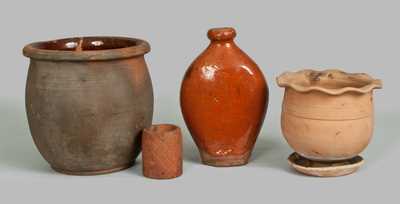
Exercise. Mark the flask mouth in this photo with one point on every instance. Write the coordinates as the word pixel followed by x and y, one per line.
pixel 221 34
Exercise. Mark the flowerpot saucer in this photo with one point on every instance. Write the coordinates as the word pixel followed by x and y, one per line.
pixel 325 169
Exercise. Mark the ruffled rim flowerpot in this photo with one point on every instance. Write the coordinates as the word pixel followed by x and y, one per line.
pixel 327 118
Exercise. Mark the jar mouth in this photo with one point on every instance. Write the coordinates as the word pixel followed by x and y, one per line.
pixel 332 81
pixel 88 48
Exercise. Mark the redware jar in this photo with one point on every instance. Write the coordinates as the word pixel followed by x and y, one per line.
pixel 224 99
pixel 87 101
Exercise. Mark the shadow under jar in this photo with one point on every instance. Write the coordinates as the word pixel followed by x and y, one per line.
pixel 87 101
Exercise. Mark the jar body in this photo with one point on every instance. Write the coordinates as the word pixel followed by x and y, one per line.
pixel 86 116
pixel 224 99
pixel 325 127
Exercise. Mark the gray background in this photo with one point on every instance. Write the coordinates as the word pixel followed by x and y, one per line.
pixel 358 36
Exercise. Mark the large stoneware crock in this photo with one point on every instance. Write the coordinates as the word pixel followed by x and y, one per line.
pixel 87 101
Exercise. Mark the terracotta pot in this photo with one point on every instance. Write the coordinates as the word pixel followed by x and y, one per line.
pixel 87 101
pixel 162 151
pixel 224 98
pixel 327 115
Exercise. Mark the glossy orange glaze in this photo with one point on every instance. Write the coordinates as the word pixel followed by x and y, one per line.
pixel 224 99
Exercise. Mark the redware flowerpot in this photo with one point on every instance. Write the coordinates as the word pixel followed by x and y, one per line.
pixel 224 99
pixel 327 115
pixel 87 101
pixel 328 119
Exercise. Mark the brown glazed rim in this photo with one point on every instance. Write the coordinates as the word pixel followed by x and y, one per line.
pixel 136 47
pixel 311 80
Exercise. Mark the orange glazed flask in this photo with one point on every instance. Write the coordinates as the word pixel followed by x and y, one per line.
pixel 224 98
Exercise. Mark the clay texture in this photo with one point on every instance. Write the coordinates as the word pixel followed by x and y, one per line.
pixel 87 101
pixel 224 99
pixel 162 151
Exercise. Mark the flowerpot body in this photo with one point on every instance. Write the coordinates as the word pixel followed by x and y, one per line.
pixel 224 99
pixel 327 116
pixel 87 101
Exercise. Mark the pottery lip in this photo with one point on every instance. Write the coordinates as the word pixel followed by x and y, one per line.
pixel 132 47
pixel 330 81
pixel 221 34
pixel 162 129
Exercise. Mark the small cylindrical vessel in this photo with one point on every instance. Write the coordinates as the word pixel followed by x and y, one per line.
pixel 162 151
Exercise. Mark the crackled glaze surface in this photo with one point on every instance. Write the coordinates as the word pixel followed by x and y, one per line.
pixel 87 106
pixel 224 98
pixel 327 115
pixel 162 151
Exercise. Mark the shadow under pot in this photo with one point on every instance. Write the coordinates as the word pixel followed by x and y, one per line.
pixel 327 118
pixel 87 101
